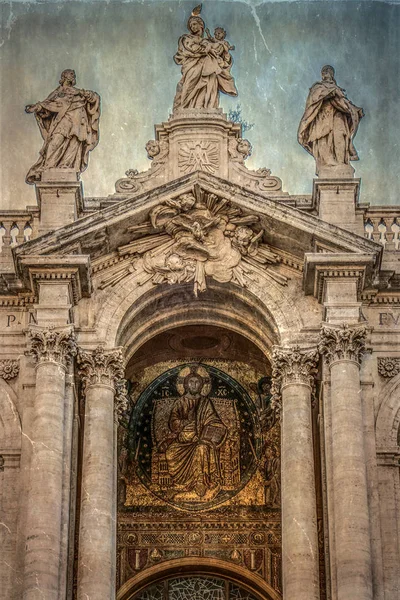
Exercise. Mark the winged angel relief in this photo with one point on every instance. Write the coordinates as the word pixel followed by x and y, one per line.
pixel 195 236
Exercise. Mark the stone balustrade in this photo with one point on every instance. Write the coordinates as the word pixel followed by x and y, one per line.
pixel 382 224
pixel 16 227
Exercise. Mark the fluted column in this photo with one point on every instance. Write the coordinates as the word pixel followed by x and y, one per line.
pixel 293 374
pixel 52 349
pixel 343 348
pixel 101 375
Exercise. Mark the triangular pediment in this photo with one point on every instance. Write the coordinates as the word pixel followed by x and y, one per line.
pixel 183 213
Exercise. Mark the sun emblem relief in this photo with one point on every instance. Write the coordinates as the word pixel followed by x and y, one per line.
pixel 199 156
pixel 196 236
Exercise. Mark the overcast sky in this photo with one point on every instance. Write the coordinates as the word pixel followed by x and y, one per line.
pixel 124 51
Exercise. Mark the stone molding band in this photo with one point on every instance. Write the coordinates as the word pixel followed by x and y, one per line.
pixel 102 367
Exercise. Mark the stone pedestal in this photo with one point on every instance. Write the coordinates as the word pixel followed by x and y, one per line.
pixel 336 201
pixel 293 374
pixel 100 372
pixel 60 199
pixel 198 140
pixel 343 348
pixel 52 350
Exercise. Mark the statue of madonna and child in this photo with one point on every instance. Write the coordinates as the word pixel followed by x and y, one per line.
pixel 205 66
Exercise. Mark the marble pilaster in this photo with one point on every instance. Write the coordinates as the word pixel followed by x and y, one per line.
pixel 101 375
pixel 343 348
pixel 52 349
pixel 293 373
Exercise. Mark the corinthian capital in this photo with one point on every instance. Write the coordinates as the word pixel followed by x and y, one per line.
pixel 49 344
pixel 293 365
pixel 107 368
pixel 342 343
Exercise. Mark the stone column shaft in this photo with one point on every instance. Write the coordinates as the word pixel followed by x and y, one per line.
pixel 343 348
pixel 293 372
pixel 97 554
pixel 44 503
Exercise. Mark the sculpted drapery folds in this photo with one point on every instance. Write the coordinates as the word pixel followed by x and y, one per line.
pixel 54 345
pixel 68 121
pixel 343 343
pixel 329 123
pixel 205 66
pixel 103 367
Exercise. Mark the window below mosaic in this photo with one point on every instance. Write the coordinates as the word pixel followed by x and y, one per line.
pixel 194 588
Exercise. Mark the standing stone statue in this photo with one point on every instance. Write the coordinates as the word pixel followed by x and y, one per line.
pixel 329 124
pixel 68 120
pixel 205 65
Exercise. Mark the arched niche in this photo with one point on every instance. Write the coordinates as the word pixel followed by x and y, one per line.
pixel 265 313
pixel 388 418
pixel 196 566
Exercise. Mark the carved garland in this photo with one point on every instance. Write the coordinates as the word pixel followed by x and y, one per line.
pixel 49 344
pixel 9 369
pixel 107 368
pixel 293 365
pixel 342 343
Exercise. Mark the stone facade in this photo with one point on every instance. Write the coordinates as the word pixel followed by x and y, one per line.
pixel 199 375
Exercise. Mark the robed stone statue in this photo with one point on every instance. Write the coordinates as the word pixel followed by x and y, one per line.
pixel 205 65
pixel 329 124
pixel 68 120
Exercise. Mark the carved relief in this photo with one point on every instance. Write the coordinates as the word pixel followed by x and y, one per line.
pixel 198 156
pixel 239 149
pixel 135 181
pixel 9 369
pixel 195 236
pixel 343 343
pixel 293 365
pixel 107 368
pixel 55 345
pixel 388 366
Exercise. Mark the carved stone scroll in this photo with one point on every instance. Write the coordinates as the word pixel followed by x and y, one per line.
pixel 342 343
pixel 54 345
pixel 102 367
pixel 9 369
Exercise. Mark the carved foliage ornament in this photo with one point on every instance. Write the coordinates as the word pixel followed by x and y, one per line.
pixel 9 369
pixel 293 365
pixel 343 343
pixel 55 345
pixel 195 236
pixel 107 368
pixel 388 366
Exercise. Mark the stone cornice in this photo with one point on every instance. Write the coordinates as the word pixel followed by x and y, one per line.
pixel 102 367
pixel 49 344
pixel 291 366
pixel 320 267
pixel 343 343
pixel 74 269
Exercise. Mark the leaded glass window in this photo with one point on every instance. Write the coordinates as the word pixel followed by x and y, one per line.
pixel 195 588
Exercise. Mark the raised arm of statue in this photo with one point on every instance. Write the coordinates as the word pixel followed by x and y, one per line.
pixel 68 120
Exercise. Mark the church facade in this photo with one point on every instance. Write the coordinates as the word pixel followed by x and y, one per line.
pixel 199 374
